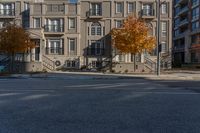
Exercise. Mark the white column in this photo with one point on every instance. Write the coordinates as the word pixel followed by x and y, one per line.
pixel 33 54
pixel 142 57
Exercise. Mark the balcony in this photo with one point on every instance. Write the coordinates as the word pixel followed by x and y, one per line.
pixel 95 51
pixel 7 13
pixel 183 22
pixel 183 10
pixel 54 51
pixel 147 13
pixel 178 49
pixel 94 13
pixel 53 28
pixel 180 2
pixel 181 35
pixel 195 4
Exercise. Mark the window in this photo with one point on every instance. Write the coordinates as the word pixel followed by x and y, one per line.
pixel 36 23
pixel 163 47
pixel 72 46
pixel 7 9
pixel 72 23
pixel 195 2
pixel 26 6
pixel 95 48
pixel 55 8
pixel 164 29
pixel 54 46
pixel 130 7
pixel 118 23
pixel 195 13
pixel 96 64
pixel 73 1
pixel 71 63
pixel 96 9
pixel 195 25
pixel 195 39
pixel 54 25
pixel 119 7
pixel 147 10
pixel 96 28
pixel 176 32
pixel 164 8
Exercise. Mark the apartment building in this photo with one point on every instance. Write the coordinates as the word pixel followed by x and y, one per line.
pixel 76 34
pixel 186 43
pixel 99 17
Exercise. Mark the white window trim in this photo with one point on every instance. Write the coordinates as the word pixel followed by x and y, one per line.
pixel 117 6
pixel 69 24
pixel 129 9
pixel 164 30
pixel 162 43
pixel 75 46
pixel 164 10
pixel 118 21
pixel 34 22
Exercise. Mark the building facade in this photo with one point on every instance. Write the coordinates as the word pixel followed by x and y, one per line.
pixel 73 35
pixel 186 41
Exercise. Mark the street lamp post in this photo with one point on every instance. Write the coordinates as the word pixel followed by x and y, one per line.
pixel 158 38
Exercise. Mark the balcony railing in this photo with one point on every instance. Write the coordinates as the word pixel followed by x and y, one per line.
pixel 7 12
pixel 53 50
pixel 94 13
pixel 178 48
pixel 183 22
pixel 195 3
pixel 53 28
pixel 183 10
pixel 95 51
pixel 148 12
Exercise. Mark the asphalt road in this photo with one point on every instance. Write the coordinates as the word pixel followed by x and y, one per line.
pixel 61 103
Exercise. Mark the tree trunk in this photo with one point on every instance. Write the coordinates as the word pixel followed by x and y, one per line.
pixel 111 63
pixel 134 62
pixel 12 59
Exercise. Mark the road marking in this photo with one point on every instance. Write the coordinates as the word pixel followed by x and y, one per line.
pixel 9 94
pixel 32 97
pixel 100 85
pixel 111 86
pixel 86 85
pixel 168 93
pixel 7 90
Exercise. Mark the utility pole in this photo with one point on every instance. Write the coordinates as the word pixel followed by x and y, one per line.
pixel 158 38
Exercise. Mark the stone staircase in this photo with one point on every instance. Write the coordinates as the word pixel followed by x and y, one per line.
pixel 165 62
pixel 150 63
pixel 48 64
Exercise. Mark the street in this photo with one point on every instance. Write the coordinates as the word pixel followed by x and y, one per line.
pixel 66 103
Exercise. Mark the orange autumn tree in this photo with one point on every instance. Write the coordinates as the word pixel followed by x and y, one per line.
pixel 133 37
pixel 14 39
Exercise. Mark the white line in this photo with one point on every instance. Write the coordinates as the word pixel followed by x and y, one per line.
pixel 26 90
pixel 84 85
pixel 93 85
pixel 112 86
pixel 168 93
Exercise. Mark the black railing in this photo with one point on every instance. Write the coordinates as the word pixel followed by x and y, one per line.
pixel 53 50
pixel 53 28
pixel 147 12
pixel 95 51
pixel 7 12
pixel 95 12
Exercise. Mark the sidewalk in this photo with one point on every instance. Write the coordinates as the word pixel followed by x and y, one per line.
pixel 171 75
pixel 166 76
